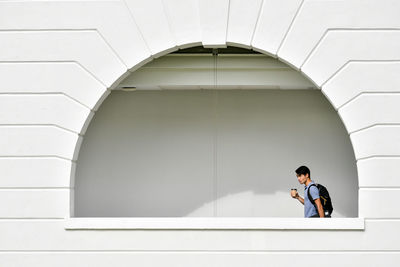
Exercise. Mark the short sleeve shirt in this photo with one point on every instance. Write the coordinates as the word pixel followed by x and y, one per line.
pixel 309 209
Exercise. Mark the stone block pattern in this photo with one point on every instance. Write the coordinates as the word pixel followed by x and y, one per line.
pixel 60 59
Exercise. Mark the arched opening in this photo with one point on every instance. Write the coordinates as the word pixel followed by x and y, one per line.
pixel 212 133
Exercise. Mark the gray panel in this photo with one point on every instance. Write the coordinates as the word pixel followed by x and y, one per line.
pixel 263 136
pixel 147 154
pixel 173 153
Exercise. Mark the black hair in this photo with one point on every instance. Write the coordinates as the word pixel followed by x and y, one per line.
pixel 303 170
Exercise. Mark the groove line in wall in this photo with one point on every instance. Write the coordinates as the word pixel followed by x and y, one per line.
pixel 333 30
pixel 116 54
pixel 72 30
pixel 215 251
pixel 29 93
pixel 257 22
pixel 49 30
pixel 43 189
pixel 378 156
pixel 33 219
pixel 368 93
pixel 378 187
pixel 349 62
pixel 37 156
pixel 313 49
pixel 382 157
pixel 39 125
pixel 137 27
pixel 373 126
pixel 57 62
pixel 227 20
pixel 300 7
pixel 381 188
pixel 31 157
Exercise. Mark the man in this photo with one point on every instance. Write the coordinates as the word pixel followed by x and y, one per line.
pixel 310 211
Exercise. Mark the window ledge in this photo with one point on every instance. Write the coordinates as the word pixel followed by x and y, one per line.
pixel 215 223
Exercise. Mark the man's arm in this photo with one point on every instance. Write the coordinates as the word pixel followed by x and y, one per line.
pixel 299 198
pixel 319 208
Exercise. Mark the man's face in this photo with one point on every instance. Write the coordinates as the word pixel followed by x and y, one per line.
pixel 302 178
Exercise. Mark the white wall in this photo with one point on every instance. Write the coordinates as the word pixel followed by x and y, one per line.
pixel 76 51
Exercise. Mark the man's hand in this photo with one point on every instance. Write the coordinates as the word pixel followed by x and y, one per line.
pixel 295 195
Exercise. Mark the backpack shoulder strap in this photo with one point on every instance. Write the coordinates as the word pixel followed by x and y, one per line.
pixel 309 194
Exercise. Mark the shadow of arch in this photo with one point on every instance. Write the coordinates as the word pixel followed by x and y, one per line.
pixel 279 191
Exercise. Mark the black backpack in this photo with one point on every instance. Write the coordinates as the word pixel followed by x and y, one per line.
pixel 326 200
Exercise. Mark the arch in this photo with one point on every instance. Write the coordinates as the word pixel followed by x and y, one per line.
pixel 150 58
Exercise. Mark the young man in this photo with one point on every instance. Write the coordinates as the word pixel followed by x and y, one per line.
pixel 310 211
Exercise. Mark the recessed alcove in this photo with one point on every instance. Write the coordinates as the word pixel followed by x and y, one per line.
pixel 212 133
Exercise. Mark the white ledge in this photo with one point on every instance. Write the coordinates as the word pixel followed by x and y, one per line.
pixel 215 223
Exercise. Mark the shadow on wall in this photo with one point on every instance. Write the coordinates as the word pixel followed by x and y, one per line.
pixel 212 153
